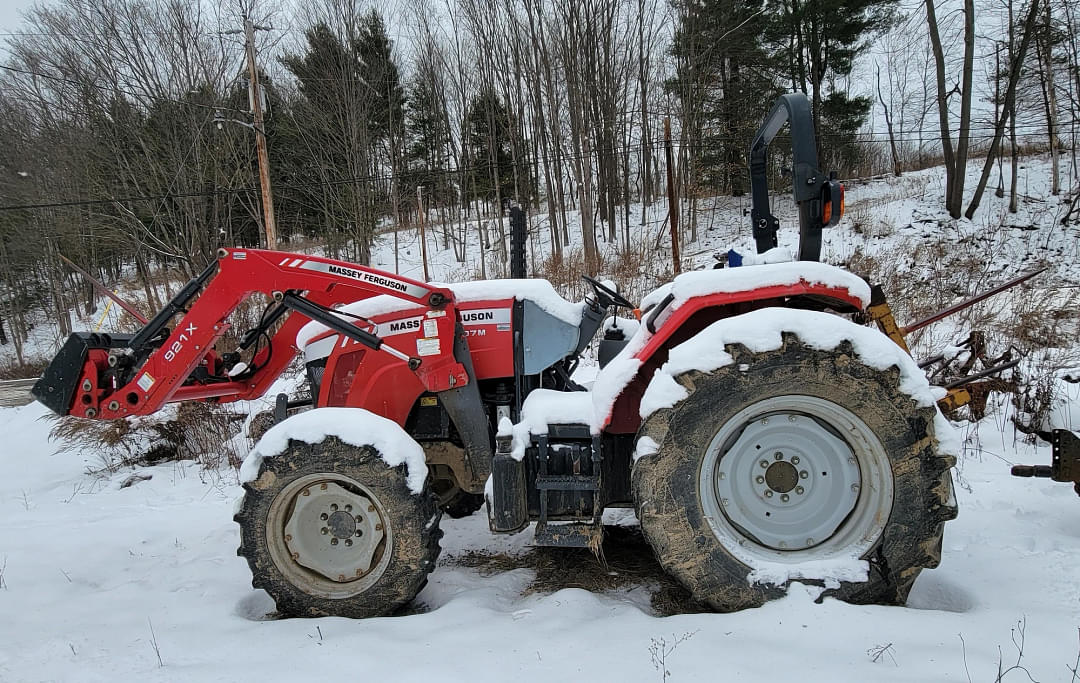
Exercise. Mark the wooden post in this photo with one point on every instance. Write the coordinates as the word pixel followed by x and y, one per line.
pixel 260 137
pixel 673 207
pixel 420 217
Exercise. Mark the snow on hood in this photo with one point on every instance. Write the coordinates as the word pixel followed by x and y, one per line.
pixel 713 281
pixel 354 426
pixel 761 331
pixel 538 291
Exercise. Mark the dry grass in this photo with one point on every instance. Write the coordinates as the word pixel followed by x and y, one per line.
pixel 33 367
pixel 626 562
pixel 198 432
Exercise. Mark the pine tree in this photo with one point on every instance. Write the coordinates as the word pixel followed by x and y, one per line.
pixel 488 127
pixel 820 40
pixel 724 84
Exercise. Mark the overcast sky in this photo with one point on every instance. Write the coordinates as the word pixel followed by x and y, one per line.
pixel 9 13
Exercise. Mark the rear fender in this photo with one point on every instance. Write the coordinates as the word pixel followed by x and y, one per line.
pixel 673 327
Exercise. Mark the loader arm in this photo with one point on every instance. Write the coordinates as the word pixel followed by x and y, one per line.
pixel 114 376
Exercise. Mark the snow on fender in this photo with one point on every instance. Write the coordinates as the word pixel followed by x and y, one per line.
pixel 762 330
pixel 354 426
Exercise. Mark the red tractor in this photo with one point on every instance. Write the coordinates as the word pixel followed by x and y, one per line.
pixel 761 432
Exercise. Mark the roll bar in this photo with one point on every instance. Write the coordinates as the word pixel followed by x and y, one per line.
pixel 812 187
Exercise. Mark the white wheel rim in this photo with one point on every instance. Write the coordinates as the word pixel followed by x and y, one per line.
pixel 328 535
pixel 795 478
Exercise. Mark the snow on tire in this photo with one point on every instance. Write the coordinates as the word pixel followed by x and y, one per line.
pixel 793 464
pixel 330 529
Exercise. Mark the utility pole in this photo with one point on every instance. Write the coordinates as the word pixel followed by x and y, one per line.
pixel 260 135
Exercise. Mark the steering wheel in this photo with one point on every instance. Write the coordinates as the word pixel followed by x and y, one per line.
pixel 608 293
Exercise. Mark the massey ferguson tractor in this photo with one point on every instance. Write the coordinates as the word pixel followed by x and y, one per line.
pixel 760 425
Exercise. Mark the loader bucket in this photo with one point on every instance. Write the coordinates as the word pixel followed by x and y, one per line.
pixel 58 384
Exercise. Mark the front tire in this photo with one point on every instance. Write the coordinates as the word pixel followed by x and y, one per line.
pixel 786 461
pixel 329 529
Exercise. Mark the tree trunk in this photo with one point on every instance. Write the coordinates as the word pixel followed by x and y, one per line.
pixel 889 127
pixel 964 134
pixel 942 100
pixel 1051 101
pixel 1010 96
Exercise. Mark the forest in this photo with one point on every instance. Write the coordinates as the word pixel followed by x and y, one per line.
pixel 128 145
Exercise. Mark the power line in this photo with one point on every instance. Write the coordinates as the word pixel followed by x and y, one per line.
pixel 110 89
pixel 352 180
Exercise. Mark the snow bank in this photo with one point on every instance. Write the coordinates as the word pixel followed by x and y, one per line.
pixel 761 331
pixel 547 406
pixel 354 426
pixel 538 291
pixel 713 281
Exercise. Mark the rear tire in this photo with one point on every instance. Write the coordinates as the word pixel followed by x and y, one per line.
pixel 330 529
pixel 853 458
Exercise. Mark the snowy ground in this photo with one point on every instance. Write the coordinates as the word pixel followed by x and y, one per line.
pixel 99 582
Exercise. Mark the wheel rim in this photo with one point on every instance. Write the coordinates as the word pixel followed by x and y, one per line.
pixel 328 535
pixel 793 478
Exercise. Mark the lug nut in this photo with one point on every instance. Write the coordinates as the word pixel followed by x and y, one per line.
pixel 855 488
pixel 799 490
pixel 348 508
pixel 785 497
pixel 759 479
pixel 794 460
pixel 359 532
pixel 359 519
pixel 378 527
pixel 791 418
pixel 348 541
pixel 809 541
pixel 803 474
pixel 333 541
pixel 720 475
pixel 324 516
pixel 764 420
pixel 764 464
pixel 768 493
pixel 778 455
pixel 114 405
pixel 724 502
pixel 324 531
pixel 86 385
pixel 333 507
pixel 306 492
pixel 371 508
pixel 322 486
pixel 851 461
